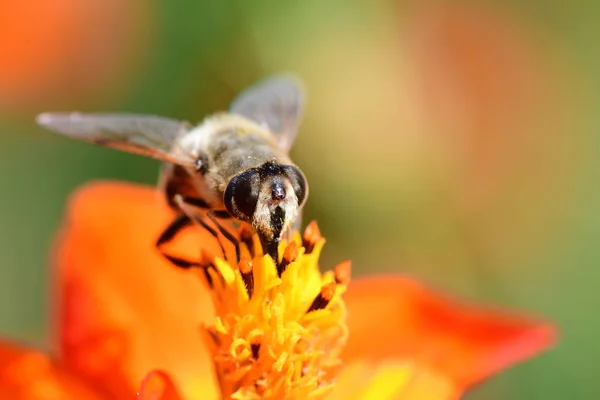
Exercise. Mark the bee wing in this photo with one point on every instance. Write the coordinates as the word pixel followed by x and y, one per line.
pixel 145 135
pixel 276 103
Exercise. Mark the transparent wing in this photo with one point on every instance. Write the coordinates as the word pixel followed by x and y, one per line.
pixel 145 135
pixel 277 103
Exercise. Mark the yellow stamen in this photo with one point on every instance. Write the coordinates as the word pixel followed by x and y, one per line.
pixel 279 328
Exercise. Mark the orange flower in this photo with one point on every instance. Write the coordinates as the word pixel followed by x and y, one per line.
pixel 123 311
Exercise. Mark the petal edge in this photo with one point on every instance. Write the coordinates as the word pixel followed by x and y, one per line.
pixel 26 374
pixel 419 325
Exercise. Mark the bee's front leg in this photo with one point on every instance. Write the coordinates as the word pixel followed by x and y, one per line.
pixel 213 215
pixel 179 223
pixel 183 220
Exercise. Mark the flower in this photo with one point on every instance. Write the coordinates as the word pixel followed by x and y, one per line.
pixel 125 316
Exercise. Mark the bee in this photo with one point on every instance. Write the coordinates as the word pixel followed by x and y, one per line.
pixel 234 165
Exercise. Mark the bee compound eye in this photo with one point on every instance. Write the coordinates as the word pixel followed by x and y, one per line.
pixel 241 195
pixel 298 182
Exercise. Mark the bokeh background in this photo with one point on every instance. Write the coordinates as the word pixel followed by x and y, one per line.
pixel 453 140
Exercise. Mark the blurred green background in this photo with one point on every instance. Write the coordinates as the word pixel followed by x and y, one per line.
pixel 456 141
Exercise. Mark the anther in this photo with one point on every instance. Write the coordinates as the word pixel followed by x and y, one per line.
pixel 246 235
pixel 255 347
pixel 311 236
pixel 290 254
pixel 245 267
pixel 323 298
pixel 342 272
pixel 255 339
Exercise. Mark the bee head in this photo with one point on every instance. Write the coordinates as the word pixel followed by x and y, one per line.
pixel 268 197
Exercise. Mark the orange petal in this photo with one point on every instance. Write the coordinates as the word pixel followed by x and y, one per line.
pixel 126 310
pixel 157 385
pixel 396 318
pixel 388 381
pixel 27 374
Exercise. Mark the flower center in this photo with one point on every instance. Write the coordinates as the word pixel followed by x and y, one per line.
pixel 279 327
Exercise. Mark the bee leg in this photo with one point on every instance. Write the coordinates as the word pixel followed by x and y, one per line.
pixel 213 215
pixel 210 230
pixel 192 201
pixel 182 221
pixel 168 234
